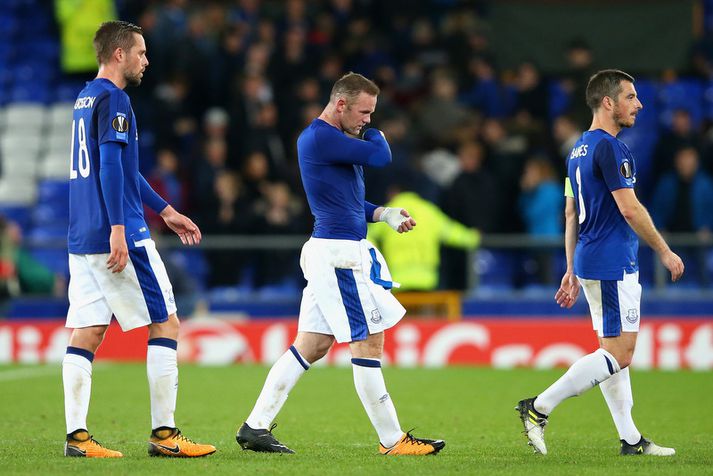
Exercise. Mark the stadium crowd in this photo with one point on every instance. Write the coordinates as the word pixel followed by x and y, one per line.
pixel 232 83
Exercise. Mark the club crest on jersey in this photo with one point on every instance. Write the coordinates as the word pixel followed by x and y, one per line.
pixel 375 316
pixel 632 316
pixel 625 169
pixel 120 123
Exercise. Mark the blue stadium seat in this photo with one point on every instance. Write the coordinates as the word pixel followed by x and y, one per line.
pixel 55 259
pixel 53 190
pixel 559 99
pixel 495 269
pixel 67 91
pixel 682 94
pixel 193 262
pixel 47 233
pixel 30 92
pixel 18 214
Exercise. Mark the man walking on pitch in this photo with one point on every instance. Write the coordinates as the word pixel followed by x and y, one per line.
pixel 347 297
pixel 113 263
pixel 602 259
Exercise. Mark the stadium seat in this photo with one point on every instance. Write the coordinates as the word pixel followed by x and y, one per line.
pixel 559 99
pixel 55 259
pixel 55 166
pixel 58 143
pixel 193 262
pixel 494 269
pixel 17 192
pixel 25 115
pixel 17 213
pixel 60 118
pixel 682 94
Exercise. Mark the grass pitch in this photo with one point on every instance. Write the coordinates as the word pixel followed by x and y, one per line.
pixel 323 421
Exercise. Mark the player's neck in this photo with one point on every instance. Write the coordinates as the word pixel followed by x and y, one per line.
pixel 608 126
pixel 329 116
pixel 112 75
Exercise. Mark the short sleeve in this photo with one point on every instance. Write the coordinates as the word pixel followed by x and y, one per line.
pixel 568 192
pixel 113 116
pixel 616 166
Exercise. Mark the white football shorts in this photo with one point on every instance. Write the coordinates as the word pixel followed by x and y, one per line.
pixel 138 296
pixel 614 305
pixel 348 292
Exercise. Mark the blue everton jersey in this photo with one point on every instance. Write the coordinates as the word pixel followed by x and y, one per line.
pixel 102 113
pixel 607 246
pixel 331 166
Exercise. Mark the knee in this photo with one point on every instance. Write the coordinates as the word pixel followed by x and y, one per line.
pixel 88 338
pixel 168 329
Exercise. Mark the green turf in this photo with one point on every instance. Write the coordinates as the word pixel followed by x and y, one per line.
pixel 471 408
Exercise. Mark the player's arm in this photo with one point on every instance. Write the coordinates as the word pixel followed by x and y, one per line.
pixel 187 231
pixel 338 148
pixel 640 221
pixel 568 291
pixel 111 177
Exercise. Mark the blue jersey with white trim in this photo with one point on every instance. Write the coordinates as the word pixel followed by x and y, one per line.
pixel 331 166
pixel 607 247
pixel 102 113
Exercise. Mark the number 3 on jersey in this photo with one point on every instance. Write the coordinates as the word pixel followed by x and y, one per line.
pixel 582 210
pixel 82 154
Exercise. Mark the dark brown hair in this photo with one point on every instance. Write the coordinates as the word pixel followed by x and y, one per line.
pixel 605 83
pixel 112 35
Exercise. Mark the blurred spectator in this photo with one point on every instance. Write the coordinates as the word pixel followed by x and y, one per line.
pixel 682 135
pixel 542 199
pixel 541 203
pixel 166 180
pixel 580 62
pixel 565 134
pixel 228 213
pixel 256 173
pixel 532 93
pixel 472 199
pixel 441 113
pixel 278 212
pixel 20 273
pixel 682 204
pixel 206 167
pixel 414 258
pixel 682 199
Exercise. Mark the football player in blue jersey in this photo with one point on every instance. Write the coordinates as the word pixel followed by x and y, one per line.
pixel 603 218
pixel 113 263
pixel 348 294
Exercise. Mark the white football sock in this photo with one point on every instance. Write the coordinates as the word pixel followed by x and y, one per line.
pixel 162 372
pixel 370 386
pixel 77 380
pixel 589 371
pixel 282 377
pixel 617 393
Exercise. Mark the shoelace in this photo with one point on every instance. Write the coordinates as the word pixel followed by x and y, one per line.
pixel 181 436
pixel 272 427
pixel 413 439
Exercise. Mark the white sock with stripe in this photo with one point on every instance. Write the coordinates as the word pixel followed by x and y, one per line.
pixel 281 379
pixel 77 381
pixel 162 372
pixel 620 400
pixel 370 386
pixel 589 371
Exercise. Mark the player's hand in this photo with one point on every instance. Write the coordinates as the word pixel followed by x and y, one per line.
pixel 674 264
pixel 568 292
pixel 398 219
pixel 119 251
pixel 183 226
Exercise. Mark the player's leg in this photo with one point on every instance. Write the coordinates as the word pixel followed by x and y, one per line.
pixel 77 380
pixel 162 371
pixel 371 388
pixel 88 316
pixel 256 433
pixel 591 369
